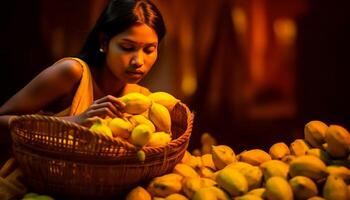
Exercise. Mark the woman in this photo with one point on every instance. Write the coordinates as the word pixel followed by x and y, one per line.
pixel 120 50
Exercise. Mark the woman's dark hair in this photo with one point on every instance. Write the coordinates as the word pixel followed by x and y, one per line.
pixel 118 16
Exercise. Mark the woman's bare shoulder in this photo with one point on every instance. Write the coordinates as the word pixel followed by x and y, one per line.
pixel 67 68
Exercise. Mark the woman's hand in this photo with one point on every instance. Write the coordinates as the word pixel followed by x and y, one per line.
pixel 108 106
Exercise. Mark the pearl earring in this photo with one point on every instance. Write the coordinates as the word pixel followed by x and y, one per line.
pixel 101 50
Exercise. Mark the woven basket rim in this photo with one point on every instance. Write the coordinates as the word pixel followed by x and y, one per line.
pixel 113 141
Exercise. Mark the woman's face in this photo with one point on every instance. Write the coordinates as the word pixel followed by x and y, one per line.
pixel 131 54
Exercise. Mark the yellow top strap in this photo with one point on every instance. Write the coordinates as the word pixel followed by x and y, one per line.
pixel 83 97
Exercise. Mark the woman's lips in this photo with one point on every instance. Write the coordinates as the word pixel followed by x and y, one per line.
pixel 135 73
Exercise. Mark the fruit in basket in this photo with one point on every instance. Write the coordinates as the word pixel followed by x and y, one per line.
pixel 165 99
pixel 99 126
pixel 159 139
pixel 254 156
pixel 141 119
pixel 315 132
pixel 335 188
pixel 222 156
pixel 140 135
pixel 120 127
pixel 138 193
pixel 303 187
pixel 160 117
pixel 338 141
pixel 279 150
pixel 278 188
pixel 309 166
pixel 141 155
pixel 136 103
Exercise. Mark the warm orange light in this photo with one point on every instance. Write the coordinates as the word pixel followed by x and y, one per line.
pixel 189 83
pixel 239 19
pixel 285 30
pixel 259 42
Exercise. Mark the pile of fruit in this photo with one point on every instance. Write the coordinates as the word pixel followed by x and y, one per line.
pixel 315 168
pixel 145 122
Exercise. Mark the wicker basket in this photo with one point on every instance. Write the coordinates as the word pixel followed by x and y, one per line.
pixel 59 157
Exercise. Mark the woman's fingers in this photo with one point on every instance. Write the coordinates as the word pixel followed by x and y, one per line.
pixel 115 101
pixel 101 112
pixel 107 105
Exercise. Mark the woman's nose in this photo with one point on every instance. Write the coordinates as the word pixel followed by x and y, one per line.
pixel 137 59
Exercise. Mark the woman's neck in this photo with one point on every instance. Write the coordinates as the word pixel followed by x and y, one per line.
pixel 105 83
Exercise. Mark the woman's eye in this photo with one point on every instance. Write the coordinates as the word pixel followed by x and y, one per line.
pixel 150 49
pixel 127 47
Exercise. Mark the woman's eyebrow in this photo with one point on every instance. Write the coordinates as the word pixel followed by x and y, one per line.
pixel 139 43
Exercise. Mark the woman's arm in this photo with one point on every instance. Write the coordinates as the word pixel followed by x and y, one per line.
pixel 51 84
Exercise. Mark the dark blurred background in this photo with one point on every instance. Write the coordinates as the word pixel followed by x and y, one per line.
pixel 253 71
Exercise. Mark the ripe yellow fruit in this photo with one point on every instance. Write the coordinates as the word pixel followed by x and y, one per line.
pixel 253 174
pixel 232 181
pixel 190 185
pixel 136 103
pixel 315 132
pixel 260 192
pixel 159 139
pixel 335 188
pixel 338 140
pixel 303 187
pixel 140 135
pixel 254 156
pixel 186 158
pixel 176 196
pixel 279 150
pixel 222 155
pixel 299 147
pixel 165 185
pixel 120 127
pixel 207 161
pixel 160 117
pixel 339 171
pixel 100 127
pixel 319 153
pixel 274 168
pixel 248 197
pixel 309 166
pixel 278 188
pixel 141 155
pixel 141 119
pixel 165 99
pixel 210 193
pixel 185 171
pixel 138 193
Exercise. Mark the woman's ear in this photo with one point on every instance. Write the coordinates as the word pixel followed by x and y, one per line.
pixel 103 41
